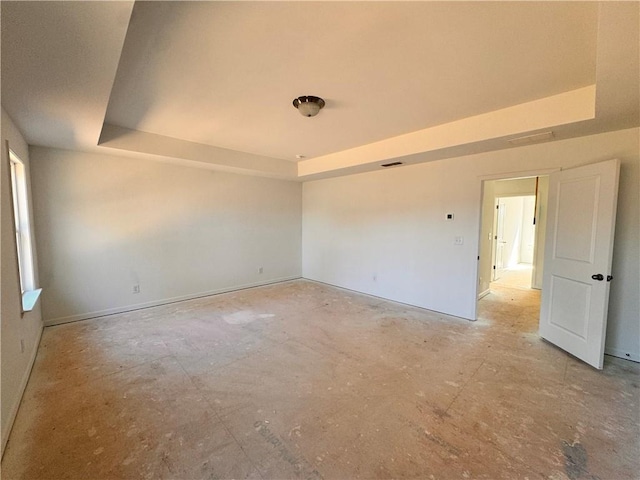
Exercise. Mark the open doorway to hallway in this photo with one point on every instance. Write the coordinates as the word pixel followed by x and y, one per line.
pixel 512 238
pixel 514 241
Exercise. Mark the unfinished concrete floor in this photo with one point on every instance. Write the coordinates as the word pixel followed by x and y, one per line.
pixel 303 380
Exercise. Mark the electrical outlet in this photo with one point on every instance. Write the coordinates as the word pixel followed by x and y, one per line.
pixel 136 289
pixel 261 270
pixel 458 240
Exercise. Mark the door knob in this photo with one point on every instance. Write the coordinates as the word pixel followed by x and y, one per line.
pixel 598 276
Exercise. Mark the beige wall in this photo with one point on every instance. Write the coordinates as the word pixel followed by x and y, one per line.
pixel 385 233
pixel 106 223
pixel 541 231
pixel 485 263
pixel 16 363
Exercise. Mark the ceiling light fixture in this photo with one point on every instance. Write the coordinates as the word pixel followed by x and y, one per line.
pixel 308 105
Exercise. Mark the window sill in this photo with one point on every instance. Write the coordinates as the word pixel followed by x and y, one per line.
pixel 29 299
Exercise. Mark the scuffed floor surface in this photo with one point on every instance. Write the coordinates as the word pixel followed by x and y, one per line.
pixel 302 380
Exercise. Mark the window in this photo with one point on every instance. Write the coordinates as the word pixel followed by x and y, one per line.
pixel 23 232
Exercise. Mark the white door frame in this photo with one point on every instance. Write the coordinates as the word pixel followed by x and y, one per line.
pixel 495 238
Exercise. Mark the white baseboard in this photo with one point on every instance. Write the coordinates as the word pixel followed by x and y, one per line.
pixel 23 385
pixel 484 294
pixel 359 292
pixel 616 352
pixel 156 303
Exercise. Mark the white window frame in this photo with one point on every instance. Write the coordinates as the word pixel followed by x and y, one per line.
pixel 22 227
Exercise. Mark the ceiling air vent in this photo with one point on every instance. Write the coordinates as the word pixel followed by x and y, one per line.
pixel 528 139
pixel 392 164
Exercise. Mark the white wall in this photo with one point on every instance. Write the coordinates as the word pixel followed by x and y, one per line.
pixel 541 232
pixel 528 229
pixel 16 364
pixel 486 252
pixel 385 233
pixel 105 223
pixel 512 235
pixel 515 187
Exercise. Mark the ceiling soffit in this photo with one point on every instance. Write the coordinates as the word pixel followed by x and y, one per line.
pixel 224 73
pixel 210 84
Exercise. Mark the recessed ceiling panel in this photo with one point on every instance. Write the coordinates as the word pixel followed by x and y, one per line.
pixel 225 73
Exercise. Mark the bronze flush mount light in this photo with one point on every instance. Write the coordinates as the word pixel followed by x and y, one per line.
pixel 308 105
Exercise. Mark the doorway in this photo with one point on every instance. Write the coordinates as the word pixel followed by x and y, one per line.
pixel 512 234
pixel 514 241
pixel 580 204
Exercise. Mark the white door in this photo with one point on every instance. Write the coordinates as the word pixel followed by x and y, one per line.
pixel 577 262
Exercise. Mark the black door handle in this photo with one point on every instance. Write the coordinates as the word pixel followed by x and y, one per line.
pixel 598 276
pixel 609 278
